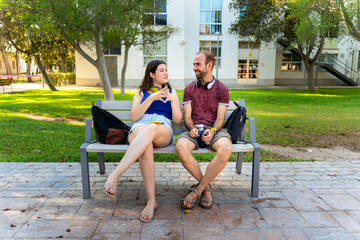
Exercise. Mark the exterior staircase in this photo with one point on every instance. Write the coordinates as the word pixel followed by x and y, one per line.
pixel 348 77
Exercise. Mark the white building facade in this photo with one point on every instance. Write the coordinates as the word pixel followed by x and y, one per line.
pixel 240 62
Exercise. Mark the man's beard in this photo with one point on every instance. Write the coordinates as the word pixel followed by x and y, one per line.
pixel 202 74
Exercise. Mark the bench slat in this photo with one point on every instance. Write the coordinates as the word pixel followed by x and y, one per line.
pixel 121 148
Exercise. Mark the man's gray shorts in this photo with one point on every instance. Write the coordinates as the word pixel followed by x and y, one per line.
pixel 222 133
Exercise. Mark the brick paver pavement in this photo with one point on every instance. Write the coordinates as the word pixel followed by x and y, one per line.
pixel 298 200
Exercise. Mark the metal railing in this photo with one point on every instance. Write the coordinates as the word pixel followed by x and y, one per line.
pixel 342 67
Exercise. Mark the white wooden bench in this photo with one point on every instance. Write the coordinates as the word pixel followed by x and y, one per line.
pixel 121 109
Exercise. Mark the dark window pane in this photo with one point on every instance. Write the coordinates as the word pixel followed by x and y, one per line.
pixel 296 58
pixel 287 57
pixel 215 16
pixel 161 5
pixel 113 51
pixel 160 20
pixel 215 28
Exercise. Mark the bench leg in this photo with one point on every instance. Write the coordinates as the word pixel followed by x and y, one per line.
pixel 85 171
pixel 101 162
pixel 255 171
pixel 239 160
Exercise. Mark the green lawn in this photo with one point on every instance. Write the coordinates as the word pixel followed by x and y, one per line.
pixel 288 117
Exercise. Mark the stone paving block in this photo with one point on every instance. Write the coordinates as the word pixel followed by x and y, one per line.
pixel 57 229
pixel 64 202
pixel 170 211
pixel 327 234
pixel 21 204
pixel 242 234
pixel 14 194
pixel 193 215
pixel 278 217
pixel 55 213
pixel 212 215
pixel 305 200
pixel 294 234
pixel 237 196
pixel 242 216
pixel 354 192
pixel 341 201
pixel 205 231
pixel 96 209
pixel 272 233
pixel 320 219
pixel 129 210
pixel 118 229
pixel 162 229
pixel 346 221
pixel 354 214
pixel 328 191
pixel 11 221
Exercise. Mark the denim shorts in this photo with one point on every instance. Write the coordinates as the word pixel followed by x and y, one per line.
pixel 146 118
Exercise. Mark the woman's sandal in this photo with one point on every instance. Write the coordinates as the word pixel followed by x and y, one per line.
pixel 191 201
pixel 112 186
pixel 148 213
pixel 207 189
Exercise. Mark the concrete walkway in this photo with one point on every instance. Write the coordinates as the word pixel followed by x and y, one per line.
pixel 298 200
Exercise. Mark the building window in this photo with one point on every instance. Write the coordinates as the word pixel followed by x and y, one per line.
pixel 329 59
pixel 358 65
pixel 211 46
pixel 13 64
pixel 154 51
pixel 290 62
pixel 249 45
pixel 113 51
pixel 160 17
pixel 210 16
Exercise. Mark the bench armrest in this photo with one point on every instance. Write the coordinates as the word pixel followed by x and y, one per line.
pixel 252 134
pixel 88 126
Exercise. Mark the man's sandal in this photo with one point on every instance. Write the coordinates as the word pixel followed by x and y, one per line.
pixel 202 199
pixel 191 201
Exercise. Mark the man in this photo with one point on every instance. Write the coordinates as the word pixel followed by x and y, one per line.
pixel 205 102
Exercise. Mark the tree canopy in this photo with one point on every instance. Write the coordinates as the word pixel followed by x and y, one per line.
pixel 301 24
pixel 94 25
pixel 350 10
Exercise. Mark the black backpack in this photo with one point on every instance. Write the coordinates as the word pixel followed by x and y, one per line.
pixel 236 122
pixel 110 129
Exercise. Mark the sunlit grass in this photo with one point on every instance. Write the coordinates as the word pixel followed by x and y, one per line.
pixel 294 118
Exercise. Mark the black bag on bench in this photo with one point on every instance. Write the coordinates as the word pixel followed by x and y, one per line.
pixel 236 122
pixel 109 128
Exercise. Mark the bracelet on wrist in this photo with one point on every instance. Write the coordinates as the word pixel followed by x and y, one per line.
pixel 215 130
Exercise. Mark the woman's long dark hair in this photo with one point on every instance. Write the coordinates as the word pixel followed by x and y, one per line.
pixel 147 81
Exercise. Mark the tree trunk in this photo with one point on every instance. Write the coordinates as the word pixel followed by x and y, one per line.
pixel 310 76
pixel 123 70
pixel 104 76
pixel 28 66
pixel 17 57
pixel 6 62
pixel 44 73
pixel 62 68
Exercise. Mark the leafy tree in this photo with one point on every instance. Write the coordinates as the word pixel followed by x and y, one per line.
pixel 93 25
pixel 351 15
pixel 19 30
pixel 301 24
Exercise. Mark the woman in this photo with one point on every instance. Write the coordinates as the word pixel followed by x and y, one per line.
pixel 154 105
